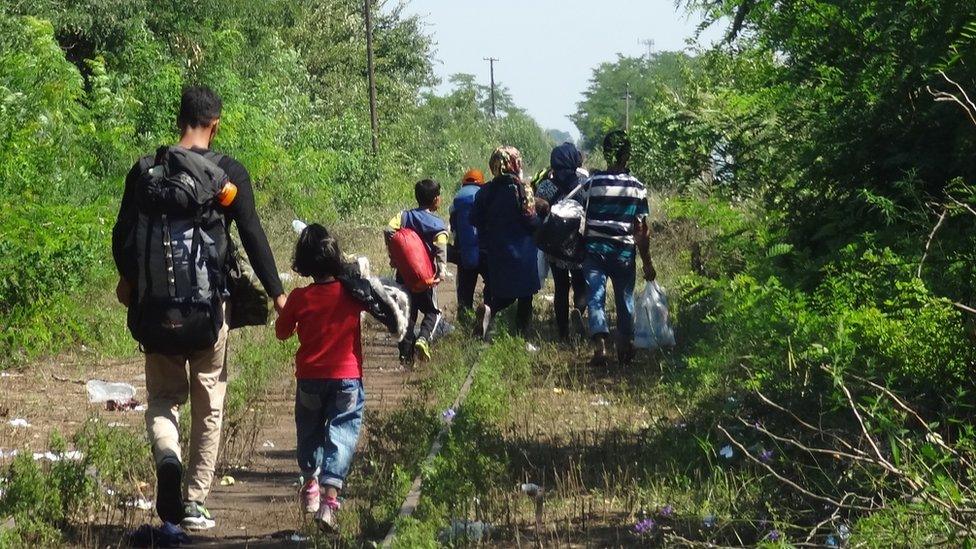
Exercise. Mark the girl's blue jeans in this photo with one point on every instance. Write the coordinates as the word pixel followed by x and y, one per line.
pixel 328 418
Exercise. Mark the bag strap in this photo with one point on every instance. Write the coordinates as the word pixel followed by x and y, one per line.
pixel 573 192
pixel 147 290
pixel 586 207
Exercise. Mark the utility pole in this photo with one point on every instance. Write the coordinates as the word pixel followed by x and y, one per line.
pixel 649 44
pixel 626 97
pixel 491 63
pixel 371 69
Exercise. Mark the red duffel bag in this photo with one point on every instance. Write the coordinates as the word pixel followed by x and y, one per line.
pixel 412 260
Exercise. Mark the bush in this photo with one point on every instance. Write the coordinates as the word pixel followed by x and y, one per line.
pixel 49 255
pixel 43 497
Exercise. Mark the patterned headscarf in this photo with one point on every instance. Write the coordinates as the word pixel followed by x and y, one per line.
pixel 507 160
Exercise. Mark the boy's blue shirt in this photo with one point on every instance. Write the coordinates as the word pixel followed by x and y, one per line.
pixel 425 222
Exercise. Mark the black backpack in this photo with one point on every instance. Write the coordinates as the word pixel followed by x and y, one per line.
pixel 181 248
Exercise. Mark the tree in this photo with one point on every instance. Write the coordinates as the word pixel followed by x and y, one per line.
pixel 603 106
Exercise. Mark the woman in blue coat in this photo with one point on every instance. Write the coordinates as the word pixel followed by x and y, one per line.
pixel 504 214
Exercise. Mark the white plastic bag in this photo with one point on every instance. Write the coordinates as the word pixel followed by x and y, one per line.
pixel 652 325
pixel 104 391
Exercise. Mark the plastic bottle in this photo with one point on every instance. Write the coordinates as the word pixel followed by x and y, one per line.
pixel 227 194
pixel 104 391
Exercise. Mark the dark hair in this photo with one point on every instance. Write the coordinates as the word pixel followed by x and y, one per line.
pixel 317 253
pixel 426 191
pixel 199 106
pixel 616 147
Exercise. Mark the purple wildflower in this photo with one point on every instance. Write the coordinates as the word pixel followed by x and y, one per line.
pixel 766 456
pixel 449 413
pixel 774 535
pixel 666 512
pixel 645 526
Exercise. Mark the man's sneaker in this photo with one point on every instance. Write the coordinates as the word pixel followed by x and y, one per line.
pixel 326 517
pixel 169 482
pixel 311 496
pixel 422 349
pixel 481 320
pixel 197 517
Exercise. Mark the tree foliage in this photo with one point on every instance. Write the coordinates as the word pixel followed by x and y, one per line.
pixel 604 108
pixel 831 200
pixel 87 86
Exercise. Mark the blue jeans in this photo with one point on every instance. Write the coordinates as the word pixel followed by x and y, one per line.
pixel 623 275
pixel 328 418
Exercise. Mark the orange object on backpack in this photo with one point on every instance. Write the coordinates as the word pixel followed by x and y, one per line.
pixel 412 260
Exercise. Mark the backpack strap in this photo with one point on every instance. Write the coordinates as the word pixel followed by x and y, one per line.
pixel 214 157
pixel 586 208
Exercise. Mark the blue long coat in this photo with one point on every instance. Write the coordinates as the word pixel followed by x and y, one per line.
pixel 506 233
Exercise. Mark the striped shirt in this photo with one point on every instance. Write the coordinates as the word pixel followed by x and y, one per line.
pixel 614 203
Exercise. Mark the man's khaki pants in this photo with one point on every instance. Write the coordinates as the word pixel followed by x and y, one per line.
pixel 167 386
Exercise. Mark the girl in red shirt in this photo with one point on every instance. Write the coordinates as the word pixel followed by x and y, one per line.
pixel 329 367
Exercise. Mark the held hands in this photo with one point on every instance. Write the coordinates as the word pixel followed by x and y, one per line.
pixel 279 303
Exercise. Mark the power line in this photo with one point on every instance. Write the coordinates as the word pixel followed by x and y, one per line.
pixel 491 63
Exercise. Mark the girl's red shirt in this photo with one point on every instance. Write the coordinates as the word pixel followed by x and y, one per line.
pixel 327 319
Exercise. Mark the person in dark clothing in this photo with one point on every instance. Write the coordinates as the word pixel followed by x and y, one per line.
pixel 168 384
pixel 433 232
pixel 565 175
pixel 504 214
pixel 469 253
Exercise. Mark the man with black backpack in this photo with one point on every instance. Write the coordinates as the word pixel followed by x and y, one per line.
pixel 172 248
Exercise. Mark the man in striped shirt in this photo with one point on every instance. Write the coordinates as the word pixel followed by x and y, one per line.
pixel 616 230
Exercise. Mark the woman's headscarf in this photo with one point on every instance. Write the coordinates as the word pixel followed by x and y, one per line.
pixel 564 160
pixel 506 160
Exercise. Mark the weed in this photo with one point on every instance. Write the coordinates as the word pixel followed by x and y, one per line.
pixel 75 493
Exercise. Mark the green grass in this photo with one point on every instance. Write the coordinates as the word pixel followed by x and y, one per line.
pixel 72 501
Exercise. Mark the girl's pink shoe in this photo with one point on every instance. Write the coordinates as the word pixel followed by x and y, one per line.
pixel 326 516
pixel 311 496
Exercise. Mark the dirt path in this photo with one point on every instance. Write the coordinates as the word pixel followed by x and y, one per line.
pixel 260 509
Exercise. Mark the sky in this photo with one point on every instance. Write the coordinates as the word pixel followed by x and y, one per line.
pixel 547 49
